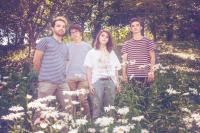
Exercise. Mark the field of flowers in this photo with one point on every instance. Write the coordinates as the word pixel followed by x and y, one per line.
pixel 174 99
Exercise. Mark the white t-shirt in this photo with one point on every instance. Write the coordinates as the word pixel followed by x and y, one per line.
pixel 103 65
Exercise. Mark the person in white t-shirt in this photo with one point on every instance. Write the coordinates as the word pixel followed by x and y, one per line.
pixel 102 67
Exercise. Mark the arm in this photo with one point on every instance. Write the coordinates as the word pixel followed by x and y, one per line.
pixel 124 67
pixel 67 60
pixel 152 64
pixel 117 81
pixel 89 78
pixel 37 59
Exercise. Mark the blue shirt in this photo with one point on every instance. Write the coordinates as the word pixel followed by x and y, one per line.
pixel 77 53
pixel 53 64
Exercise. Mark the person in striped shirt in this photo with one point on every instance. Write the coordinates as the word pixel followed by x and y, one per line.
pixel 138 58
pixel 50 58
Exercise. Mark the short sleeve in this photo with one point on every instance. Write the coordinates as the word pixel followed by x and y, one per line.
pixel 124 49
pixel 66 52
pixel 89 47
pixel 152 46
pixel 115 60
pixel 42 44
pixel 88 60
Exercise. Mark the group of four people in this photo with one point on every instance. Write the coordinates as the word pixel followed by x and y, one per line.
pixel 79 66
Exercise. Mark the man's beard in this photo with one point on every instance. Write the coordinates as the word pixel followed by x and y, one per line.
pixel 59 33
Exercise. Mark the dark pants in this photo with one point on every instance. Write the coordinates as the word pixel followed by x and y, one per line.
pixel 3 126
pixel 142 89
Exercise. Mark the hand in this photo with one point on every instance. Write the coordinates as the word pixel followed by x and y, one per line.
pixel 151 76
pixel 91 89
pixel 118 88
pixel 1 87
pixel 39 120
pixel 125 79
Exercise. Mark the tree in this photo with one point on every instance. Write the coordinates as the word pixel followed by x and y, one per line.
pixel 29 18
pixel 166 19
pixel 91 13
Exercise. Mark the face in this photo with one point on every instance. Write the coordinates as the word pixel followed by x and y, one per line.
pixel 103 38
pixel 135 27
pixel 75 34
pixel 59 28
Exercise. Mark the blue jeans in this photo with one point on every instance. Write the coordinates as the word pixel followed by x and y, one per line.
pixel 104 96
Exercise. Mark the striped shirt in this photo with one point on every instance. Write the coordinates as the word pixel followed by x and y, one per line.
pixel 53 65
pixel 138 54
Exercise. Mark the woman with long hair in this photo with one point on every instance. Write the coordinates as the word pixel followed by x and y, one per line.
pixel 102 67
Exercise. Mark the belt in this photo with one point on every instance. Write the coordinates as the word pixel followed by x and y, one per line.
pixel 105 78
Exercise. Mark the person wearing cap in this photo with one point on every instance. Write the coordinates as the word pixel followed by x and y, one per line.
pixel 50 58
pixel 76 73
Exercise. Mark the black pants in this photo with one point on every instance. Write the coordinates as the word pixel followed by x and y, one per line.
pixel 142 89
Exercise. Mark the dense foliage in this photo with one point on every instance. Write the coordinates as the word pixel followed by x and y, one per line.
pixel 173 102
pixel 23 21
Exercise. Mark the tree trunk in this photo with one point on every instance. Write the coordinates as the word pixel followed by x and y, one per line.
pixel 97 28
pixel 98 22
pixel 154 36
pixel 170 34
pixel 32 43
pixel 21 38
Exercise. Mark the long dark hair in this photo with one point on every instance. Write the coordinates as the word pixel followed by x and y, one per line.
pixel 109 44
